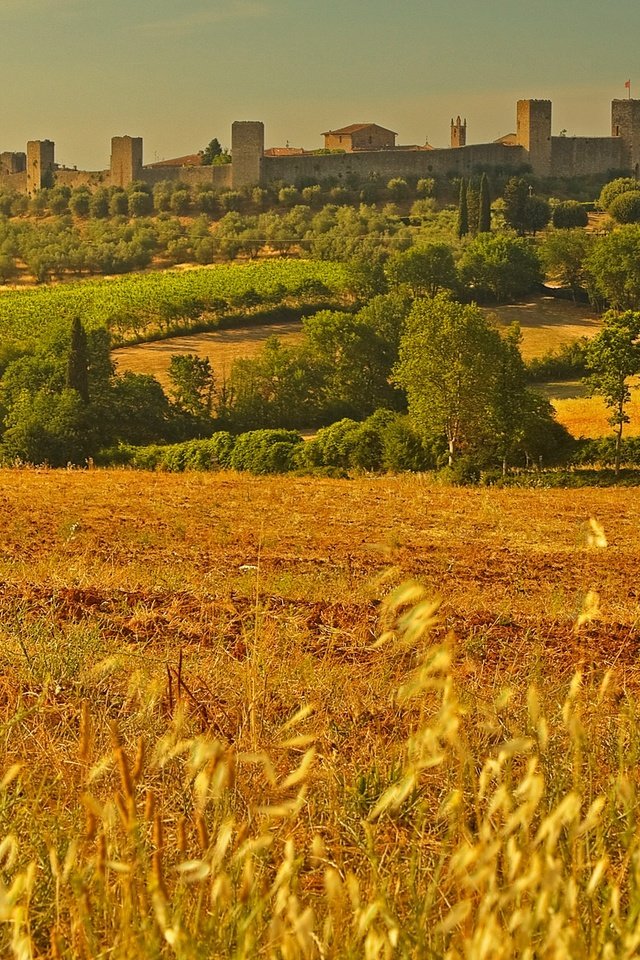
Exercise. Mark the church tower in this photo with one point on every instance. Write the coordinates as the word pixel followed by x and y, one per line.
pixel 458 132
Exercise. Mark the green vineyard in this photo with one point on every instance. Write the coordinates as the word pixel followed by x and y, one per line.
pixel 137 303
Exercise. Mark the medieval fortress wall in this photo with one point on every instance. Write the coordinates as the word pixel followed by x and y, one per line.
pixel 532 146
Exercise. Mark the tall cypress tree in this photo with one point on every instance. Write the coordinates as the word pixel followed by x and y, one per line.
pixel 473 206
pixel 484 213
pixel 78 360
pixel 463 211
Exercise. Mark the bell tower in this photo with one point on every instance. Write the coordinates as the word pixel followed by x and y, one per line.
pixel 458 132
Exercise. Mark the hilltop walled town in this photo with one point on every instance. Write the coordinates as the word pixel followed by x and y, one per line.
pixel 364 150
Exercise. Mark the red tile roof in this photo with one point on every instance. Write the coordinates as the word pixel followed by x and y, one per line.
pixel 355 127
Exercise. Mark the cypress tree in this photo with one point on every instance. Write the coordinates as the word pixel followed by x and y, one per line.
pixel 473 207
pixel 463 212
pixel 484 213
pixel 78 361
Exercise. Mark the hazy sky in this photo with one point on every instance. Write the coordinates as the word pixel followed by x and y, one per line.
pixel 178 72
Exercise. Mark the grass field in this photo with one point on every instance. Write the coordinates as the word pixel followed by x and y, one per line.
pixel 207 753
pixel 222 347
pixel 546 324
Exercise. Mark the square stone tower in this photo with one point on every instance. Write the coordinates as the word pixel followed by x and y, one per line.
pixel 247 151
pixel 40 165
pixel 126 160
pixel 625 123
pixel 533 132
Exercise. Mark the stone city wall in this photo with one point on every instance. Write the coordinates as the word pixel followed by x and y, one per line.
pixel 581 156
pixel 387 164
pixel 216 177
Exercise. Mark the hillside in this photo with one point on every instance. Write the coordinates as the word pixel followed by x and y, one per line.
pixel 160 632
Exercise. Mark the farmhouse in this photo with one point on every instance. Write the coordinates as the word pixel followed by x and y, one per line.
pixel 360 136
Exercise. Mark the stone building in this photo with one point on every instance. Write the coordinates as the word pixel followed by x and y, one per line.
pixel 360 136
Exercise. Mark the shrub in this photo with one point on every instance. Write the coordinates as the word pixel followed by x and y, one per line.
pixel 568 362
pixel 626 207
pixel 568 214
pixel 615 189
pixel 265 451
pixel 398 188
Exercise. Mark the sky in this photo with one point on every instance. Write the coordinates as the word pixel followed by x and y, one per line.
pixel 178 72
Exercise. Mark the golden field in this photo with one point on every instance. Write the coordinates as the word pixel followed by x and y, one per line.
pixel 316 718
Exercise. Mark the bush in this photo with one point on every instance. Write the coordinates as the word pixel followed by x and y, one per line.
pixel 214 453
pixel 403 448
pixel 626 207
pixel 398 188
pixel 464 472
pixel 602 452
pixel 265 451
pixel 119 204
pixel 615 189
pixel 570 214
pixel 568 362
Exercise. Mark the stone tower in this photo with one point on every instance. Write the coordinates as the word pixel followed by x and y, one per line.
pixel 247 151
pixel 126 160
pixel 533 132
pixel 625 123
pixel 40 165
pixel 458 133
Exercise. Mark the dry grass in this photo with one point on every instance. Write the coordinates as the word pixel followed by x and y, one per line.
pixel 588 416
pixel 159 635
pixel 222 347
pixel 548 323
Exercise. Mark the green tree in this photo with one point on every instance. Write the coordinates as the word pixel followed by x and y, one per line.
pixel 463 211
pixel 193 383
pixel 140 203
pixel 78 361
pixel 613 268
pixel 509 405
pixel 449 356
pixel 366 278
pixel 80 203
pixel 99 204
pixel 568 214
pixel 537 214
pixel 473 206
pixel 564 254
pixel 279 387
pixel 613 357
pixel 119 204
pixel 211 152
pixel 499 267
pixel 516 193
pixel 52 428
pixel 426 270
pixel 484 211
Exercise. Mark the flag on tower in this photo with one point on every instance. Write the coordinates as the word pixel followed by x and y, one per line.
pixel 627 84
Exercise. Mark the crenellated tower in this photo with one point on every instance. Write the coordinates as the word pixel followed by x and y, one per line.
pixel 625 123
pixel 533 132
pixel 40 165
